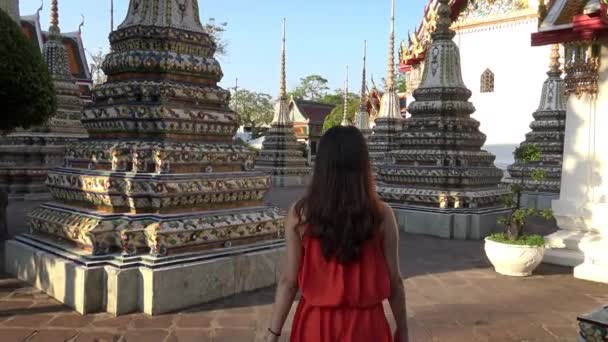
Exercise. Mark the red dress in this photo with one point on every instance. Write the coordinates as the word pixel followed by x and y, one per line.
pixel 342 303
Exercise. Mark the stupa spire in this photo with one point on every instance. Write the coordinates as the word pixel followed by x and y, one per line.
pixel 362 116
pixel 389 107
pixel 390 78
pixel 345 112
pixel 363 93
pixel 281 114
pixel 283 90
pixel 54 23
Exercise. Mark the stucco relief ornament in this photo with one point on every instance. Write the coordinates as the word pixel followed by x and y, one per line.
pixel 443 201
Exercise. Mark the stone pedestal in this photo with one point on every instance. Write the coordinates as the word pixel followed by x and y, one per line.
pixel 154 285
pixel 538 200
pixel 473 224
pixel 582 210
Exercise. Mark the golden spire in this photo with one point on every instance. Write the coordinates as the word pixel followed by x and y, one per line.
pixel 390 79
pixel 283 90
pixel 345 112
pixel 554 65
pixel 54 28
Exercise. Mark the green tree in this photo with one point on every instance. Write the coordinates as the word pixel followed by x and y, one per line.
pixel 254 109
pixel 400 82
pixel 312 87
pixel 335 117
pixel 27 94
pixel 26 89
pixel 216 31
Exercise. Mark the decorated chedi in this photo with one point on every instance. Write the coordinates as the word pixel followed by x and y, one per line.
pixel 281 155
pixel 389 122
pixel 160 185
pixel 548 130
pixel 27 155
pixel 439 180
pixel 362 116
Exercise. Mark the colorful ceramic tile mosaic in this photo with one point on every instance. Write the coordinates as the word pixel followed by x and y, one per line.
pixel 439 162
pixel 160 172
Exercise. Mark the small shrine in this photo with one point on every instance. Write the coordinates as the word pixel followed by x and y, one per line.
pixel 581 211
pixel 281 155
pixel 158 209
pixel 389 121
pixel 27 154
pixel 548 129
pixel 439 180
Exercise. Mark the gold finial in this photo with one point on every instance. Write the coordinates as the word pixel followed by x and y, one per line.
pixel 283 90
pixel 54 29
pixel 554 65
pixel 345 112
pixel 390 79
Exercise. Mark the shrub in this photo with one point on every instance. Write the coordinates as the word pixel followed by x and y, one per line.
pixel 27 94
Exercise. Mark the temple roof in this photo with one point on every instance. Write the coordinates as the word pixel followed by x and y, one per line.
pixel 314 112
pixel 465 14
pixel 79 67
pixel 572 20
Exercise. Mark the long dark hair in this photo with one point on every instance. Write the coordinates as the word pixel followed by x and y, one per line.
pixel 341 207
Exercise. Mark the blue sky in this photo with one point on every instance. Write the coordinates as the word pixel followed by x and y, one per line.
pixel 322 35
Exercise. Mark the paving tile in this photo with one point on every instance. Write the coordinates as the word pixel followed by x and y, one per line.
pixel 34 321
pixel 14 335
pixel 53 336
pixel 158 322
pixel 70 320
pixel 234 335
pixel 145 336
pixel 194 320
pixel 97 337
pixel 237 321
pixel 189 335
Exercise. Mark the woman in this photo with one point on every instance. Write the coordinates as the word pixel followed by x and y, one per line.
pixel 342 253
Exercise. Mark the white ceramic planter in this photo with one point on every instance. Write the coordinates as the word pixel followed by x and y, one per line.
pixel 514 260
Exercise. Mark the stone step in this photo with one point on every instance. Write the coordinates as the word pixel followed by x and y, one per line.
pixel 563 257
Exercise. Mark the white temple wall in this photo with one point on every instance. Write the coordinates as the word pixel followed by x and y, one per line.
pixel 519 72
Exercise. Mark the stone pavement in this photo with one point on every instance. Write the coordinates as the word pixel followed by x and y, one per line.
pixel 452 295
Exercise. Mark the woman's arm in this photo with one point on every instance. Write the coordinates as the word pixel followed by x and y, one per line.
pixel 391 253
pixel 288 282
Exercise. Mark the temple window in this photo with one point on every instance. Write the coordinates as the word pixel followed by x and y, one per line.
pixel 487 81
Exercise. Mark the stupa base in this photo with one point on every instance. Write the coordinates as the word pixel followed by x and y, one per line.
pixel 288 181
pixel 154 285
pixel 538 200
pixel 457 224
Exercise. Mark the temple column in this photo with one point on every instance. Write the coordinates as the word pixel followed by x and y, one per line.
pixel 582 209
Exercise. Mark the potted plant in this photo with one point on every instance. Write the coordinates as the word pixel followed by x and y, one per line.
pixel 513 252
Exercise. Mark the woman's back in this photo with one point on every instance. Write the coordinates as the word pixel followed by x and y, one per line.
pixel 342 302
pixel 329 283
pixel 342 252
